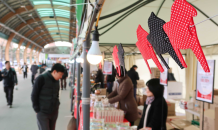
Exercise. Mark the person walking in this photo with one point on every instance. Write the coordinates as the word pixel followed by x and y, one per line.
pixel 42 69
pixel 64 78
pixel 134 76
pixel 45 97
pixel 24 68
pixel 155 109
pixel 34 68
pixel 9 77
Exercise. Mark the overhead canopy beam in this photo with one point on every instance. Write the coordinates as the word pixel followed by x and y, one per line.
pixel 55 17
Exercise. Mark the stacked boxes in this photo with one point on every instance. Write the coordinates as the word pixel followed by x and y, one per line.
pixel 171 109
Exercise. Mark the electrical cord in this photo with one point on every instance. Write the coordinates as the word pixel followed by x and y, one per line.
pixel 136 8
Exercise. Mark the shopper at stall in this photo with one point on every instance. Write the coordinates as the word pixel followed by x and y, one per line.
pixel 9 77
pixel 134 76
pixel 124 95
pixel 99 77
pixel 64 78
pixel 155 109
pixel 42 69
pixel 45 97
pixel 24 68
pixel 34 69
pixel 110 80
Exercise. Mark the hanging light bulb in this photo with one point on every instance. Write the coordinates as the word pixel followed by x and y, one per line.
pixel 94 54
pixel 80 58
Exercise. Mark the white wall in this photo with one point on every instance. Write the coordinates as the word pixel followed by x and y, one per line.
pixel 144 73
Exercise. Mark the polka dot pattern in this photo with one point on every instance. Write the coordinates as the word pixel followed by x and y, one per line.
pixel 120 54
pixel 181 34
pixel 116 59
pixel 146 49
pixel 159 39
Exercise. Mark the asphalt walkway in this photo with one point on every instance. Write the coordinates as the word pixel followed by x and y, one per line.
pixel 21 116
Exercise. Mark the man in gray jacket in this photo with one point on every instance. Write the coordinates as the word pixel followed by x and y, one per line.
pixel 34 69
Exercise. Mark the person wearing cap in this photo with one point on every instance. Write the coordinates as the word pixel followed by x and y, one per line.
pixel 42 69
pixel 134 76
pixel 155 109
pixel 124 95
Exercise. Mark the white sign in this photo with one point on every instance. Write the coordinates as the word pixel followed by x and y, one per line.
pixel 205 83
pixel 173 90
pixel 107 70
pixel 163 76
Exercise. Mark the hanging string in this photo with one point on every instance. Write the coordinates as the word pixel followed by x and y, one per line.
pixel 99 14
pixel 204 20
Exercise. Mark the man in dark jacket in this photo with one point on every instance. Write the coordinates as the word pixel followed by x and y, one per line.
pixel 99 78
pixel 45 97
pixel 64 78
pixel 134 76
pixel 110 80
pixel 34 68
pixel 9 80
pixel 42 69
pixel 24 67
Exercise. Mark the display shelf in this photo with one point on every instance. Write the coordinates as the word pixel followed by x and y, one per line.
pixel 193 112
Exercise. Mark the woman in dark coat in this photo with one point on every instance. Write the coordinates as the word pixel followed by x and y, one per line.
pixel 100 78
pixel 124 95
pixel 155 109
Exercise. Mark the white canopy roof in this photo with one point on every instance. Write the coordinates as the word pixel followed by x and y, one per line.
pixel 125 31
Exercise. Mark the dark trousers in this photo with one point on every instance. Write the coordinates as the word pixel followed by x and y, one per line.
pixel 47 121
pixel 9 94
pixel 24 75
pixel 135 89
pixel 32 79
pixel 109 87
pixel 63 83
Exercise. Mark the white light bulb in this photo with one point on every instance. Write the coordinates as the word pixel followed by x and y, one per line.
pixel 94 54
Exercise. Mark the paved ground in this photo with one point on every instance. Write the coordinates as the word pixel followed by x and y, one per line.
pixel 22 116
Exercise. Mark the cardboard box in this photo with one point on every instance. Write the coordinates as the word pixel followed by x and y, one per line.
pixel 171 106
pixel 172 92
pixel 211 119
pixel 192 128
pixel 181 124
pixel 170 118
pixel 144 98
pixel 140 83
pixel 169 126
pixel 155 73
pixel 215 99
pixel 141 101
pixel 172 113
pixel 103 91
pixel 215 92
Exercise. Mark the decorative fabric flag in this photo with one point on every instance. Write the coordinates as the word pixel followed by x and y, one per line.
pixel 116 59
pixel 159 39
pixel 146 49
pixel 120 54
pixel 181 34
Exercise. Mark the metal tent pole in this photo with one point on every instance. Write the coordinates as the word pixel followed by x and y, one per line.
pixel 78 94
pixel 86 86
pixel 72 86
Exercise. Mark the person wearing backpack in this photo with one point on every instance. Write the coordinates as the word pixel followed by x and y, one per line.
pixel 9 77
pixel 45 97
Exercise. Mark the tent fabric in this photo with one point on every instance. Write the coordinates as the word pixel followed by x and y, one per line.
pixel 129 61
pixel 191 73
pixel 185 36
pixel 124 31
pixel 159 39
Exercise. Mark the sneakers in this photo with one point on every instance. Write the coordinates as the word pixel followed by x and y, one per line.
pixel 9 106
